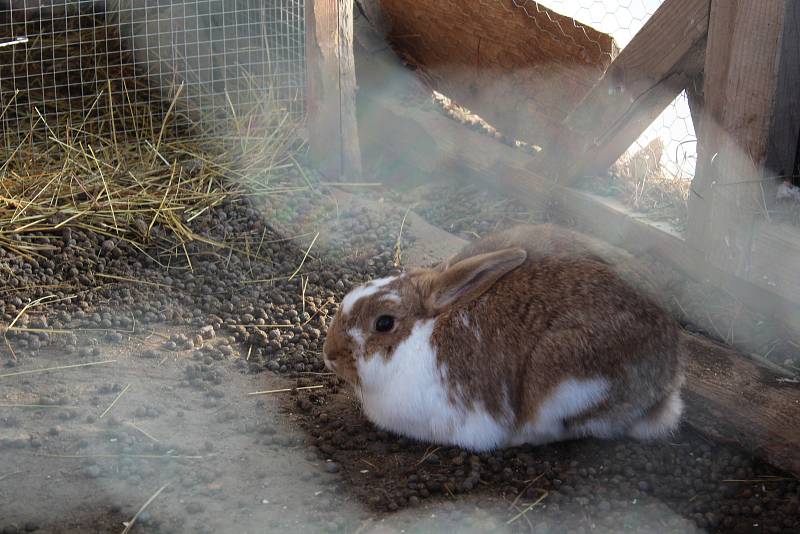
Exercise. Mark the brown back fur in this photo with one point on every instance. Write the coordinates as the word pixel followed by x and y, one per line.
pixel 576 308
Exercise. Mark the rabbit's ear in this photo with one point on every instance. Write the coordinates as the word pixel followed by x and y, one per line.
pixel 470 278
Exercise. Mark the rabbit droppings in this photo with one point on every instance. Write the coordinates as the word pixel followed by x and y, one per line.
pixel 533 335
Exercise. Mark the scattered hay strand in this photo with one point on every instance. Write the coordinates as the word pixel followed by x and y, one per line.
pixel 284 390
pixel 398 254
pixel 308 250
pixel 34 406
pixel 140 456
pixel 143 431
pixel 8 475
pixel 528 508
pixel 519 495
pixel 129 524
pixel 427 454
pixel 57 368
pixel 114 402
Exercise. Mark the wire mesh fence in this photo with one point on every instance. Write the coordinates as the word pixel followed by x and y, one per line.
pixel 120 63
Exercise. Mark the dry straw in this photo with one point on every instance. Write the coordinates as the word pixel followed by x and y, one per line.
pixel 97 149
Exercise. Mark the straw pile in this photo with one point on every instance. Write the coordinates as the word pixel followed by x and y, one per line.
pixel 641 183
pixel 86 143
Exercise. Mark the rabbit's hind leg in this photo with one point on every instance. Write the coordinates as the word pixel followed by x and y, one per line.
pixel 661 420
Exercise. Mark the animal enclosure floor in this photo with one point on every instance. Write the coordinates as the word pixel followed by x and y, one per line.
pixel 82 449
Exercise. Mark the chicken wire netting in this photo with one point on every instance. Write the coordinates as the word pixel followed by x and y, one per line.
pixel 129 64
pixel 666 151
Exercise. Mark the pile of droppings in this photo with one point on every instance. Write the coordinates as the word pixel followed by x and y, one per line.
pixel 241 308
pixel 253 288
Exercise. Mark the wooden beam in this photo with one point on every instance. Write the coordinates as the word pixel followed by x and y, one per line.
pixel 374 13
pixel 784 131
pixel 733 399
pixel 332 126
pixel 520 66
pixel 739 90
pixel 694 93
pixel 351 152
pixel 643 80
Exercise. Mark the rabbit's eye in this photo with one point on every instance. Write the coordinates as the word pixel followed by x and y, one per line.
pixel 384 323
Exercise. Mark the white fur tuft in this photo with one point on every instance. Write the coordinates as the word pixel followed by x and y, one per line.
pixel 370 288
pixel 665 422
pixel 358 336
pixel 392 296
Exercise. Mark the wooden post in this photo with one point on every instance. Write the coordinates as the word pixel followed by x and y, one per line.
pixel 784 132
pixel 332 126
pixel 373 12
pixel 740 83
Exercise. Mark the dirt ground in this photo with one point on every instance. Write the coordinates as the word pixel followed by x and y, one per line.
pixel 162 419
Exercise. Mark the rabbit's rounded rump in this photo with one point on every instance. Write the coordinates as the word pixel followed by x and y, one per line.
pixel 533 335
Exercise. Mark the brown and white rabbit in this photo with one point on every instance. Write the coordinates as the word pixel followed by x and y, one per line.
pixel 532 335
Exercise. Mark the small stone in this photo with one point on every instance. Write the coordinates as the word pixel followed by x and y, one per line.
pixel 194 508
pixel 93 471
pixel 207 332
pixel 332 467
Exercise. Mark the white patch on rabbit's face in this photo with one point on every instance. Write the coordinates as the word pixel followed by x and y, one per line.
pixel 370 288
pixel 357 335
pixel 392 296
pixel 572 397
pixel 408 394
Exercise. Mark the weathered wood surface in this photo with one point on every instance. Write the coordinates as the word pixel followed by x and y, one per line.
pixel 731 398
pixel 645 78
pixel 783 150
pixel 351 152
pixel 775 259
pixel 522 69
pixel 332 126
pixel 373 11
pixel 739 90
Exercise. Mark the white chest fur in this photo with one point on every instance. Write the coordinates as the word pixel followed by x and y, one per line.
pixel 408 394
